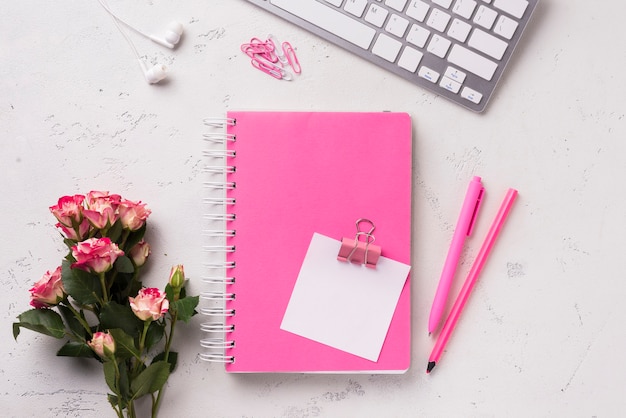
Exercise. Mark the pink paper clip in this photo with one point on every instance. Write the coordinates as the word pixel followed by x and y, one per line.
pixel 358 251
pixel 292 59
pixel 258 47
pixel 279 52
pixel 269 68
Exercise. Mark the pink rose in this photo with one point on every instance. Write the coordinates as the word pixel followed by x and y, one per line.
pixel 101 208
pixel 96 255
pixel 133 214
pixel 75 234
pixel 48 291
pixel 139 253
pixel 149 303
pixel 69 210
pixel 102 344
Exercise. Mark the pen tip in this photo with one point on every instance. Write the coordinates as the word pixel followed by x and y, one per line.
pixel 430 367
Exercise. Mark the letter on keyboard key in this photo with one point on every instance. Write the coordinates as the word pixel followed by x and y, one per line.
pixel 513 7
pixel 386 47
pixel 329 19
pixel 417 10
pixel 472 62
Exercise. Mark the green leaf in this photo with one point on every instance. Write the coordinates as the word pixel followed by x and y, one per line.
pixel 151 379
pixel 83 286
pixel 115 232
pixel 76 349
pixel 185 308
pixel 44 321
pixel 172 359
pixel 169 292
pixel 113 400
pixel 72 322
pixel 155 333
pixel 124 265
pixel 114 315
pixel 124 383
pixel 135 237
pixel 124 344
pixel 110 376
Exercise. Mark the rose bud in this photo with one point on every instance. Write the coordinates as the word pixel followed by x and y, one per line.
pixel 133 215
pixel 149 304
pixel 102 344
pixel 139 253
pixel 48 291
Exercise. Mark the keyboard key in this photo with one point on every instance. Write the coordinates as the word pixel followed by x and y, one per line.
pixel 376 15
pixel 505 27
pixel 417 10
pixel 355 7
pixel 464 8
pixel 397 25
pixel 515 8
pixel 450 85
pixel 454 74
pixel 334 2
pixel 428 74
pixel 459 30
pixel 438 20
pixel 485 17
pixel 488 44
pixel 439 46
pixel 386 47
pixel 329 19
pixel 418 36
pixel 396 4
pixel 472 62
pixel 471 95
pixel 443 3
pixel 410 59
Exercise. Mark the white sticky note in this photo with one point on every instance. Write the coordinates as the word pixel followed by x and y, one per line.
pixel 344 305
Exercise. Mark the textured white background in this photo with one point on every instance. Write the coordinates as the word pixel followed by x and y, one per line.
pixel 543 335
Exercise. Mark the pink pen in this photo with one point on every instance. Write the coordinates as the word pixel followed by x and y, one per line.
pixel 484 251
pixel 463 229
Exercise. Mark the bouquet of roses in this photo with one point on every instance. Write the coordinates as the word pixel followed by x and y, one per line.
pixel 104 311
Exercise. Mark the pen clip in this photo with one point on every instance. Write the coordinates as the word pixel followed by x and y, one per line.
pixel 479 200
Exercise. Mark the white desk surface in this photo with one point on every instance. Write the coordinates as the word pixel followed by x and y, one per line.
pixel 543 334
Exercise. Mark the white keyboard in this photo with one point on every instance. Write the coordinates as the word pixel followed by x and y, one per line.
pixel 456 48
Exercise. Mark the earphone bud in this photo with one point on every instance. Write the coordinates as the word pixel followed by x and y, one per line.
pixel 169 40
pixel 172 35
pixel 155 74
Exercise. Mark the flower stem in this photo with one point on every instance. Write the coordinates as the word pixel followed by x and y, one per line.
pixel 79 317
pixel 117 385
pixel 168 343
pixel 105 287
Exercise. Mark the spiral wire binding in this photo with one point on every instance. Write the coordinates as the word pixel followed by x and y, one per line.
pixel 217 231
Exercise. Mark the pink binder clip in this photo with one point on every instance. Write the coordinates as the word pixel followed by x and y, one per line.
pixel 360 251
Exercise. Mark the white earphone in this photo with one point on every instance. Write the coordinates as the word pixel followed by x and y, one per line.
pixel 169 40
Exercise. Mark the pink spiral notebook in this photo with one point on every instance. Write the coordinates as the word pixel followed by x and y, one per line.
pixel 295 184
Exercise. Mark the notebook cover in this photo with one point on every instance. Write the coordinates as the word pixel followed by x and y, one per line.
pixel 303 172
